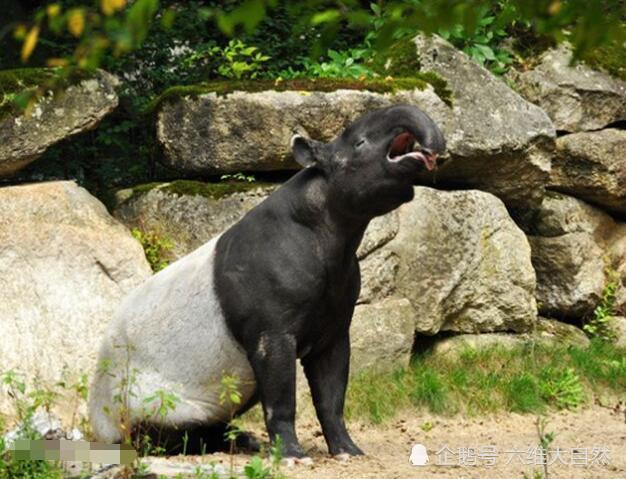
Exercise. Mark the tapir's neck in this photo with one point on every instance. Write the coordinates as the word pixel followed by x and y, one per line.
pixel 312 205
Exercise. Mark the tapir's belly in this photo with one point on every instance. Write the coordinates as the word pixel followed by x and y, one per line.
pixel 178 342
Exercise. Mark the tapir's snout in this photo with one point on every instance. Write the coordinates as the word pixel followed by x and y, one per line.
pixel 414 136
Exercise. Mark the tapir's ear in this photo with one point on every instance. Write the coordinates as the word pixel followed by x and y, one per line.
pixel 306 152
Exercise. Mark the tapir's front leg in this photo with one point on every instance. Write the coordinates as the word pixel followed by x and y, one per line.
pixel 327 373
pixel 273 360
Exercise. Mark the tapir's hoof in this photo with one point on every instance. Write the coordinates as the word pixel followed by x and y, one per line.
pixel 343 457
pixel 290 462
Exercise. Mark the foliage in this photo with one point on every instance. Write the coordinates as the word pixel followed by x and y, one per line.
pixel 255 469
pixel 27 400
pixel 239 61
pixel 155 248
pixel 230 396
pixel 611 58
pixel 484 45
pixel 600 325
pixel 239 176
pixel 531 378
pixel 340 64
pixel 235 60
pixel 163 402
pixel 562 387
pixel 111 27
pixel 545 440
pixel 570 20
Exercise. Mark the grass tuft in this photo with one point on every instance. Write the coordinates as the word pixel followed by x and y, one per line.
pixel 528 379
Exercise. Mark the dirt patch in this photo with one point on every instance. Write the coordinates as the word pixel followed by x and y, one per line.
pixel 514 437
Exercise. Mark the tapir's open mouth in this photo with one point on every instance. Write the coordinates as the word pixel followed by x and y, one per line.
pixel 405 145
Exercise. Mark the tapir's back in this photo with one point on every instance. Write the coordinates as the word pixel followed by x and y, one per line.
pixel 171 332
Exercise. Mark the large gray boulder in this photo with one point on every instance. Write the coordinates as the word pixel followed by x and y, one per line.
pixel 570 274
pixel 576 97
pixel 65 263
pixel 187 213
pixel 382 335
pixel 241 131
pixel 498 141
pixel 463 263
pixel 573 246
pixel 592 166
pixel 79 107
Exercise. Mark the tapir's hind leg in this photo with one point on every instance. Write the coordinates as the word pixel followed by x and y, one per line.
pixel 197 439
pixel 193 440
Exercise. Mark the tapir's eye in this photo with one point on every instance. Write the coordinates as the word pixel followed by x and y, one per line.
pixel 360 143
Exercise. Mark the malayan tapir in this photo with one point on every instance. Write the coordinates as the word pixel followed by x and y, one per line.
pixel 278 286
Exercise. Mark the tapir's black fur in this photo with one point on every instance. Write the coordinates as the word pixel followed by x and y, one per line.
pixel 287 276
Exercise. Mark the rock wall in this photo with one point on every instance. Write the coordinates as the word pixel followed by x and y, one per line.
pixel 517 222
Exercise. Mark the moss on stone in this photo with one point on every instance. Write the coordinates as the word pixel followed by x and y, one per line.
pixel 610 58
pixel 211 190
pixel 214 191
pixel 145 188
pixel 26 81
pixel 401 60
pixel 377 85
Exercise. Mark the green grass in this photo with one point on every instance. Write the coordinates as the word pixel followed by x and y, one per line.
pixel 528 379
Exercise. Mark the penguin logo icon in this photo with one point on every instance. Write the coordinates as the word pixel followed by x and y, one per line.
pixel 419 456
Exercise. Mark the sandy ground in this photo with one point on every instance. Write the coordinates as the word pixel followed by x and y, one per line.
pixel 591 444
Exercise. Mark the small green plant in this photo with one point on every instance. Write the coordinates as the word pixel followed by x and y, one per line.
pixel 239 176
pixel 230 395
pixel 276 457
pixel 255 469
pixel 163 402
pixel 484 45
pixel 600 325
pixel 26 402
pixel 350 63
pixel 80 390
pixel 427 426
pixel 200 474
pixel 155 248
pixel 545 440
pixel 234 61
pixel 562 387
pixel 241 61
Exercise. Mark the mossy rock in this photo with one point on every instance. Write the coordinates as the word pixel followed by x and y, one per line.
pixel 376 85
pixel 560 333
pixel 19 85
pixel 57 104
pixel 186 213
pixel 401 60
pixel 213 191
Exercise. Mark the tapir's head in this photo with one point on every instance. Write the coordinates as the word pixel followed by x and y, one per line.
pixel 372 165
